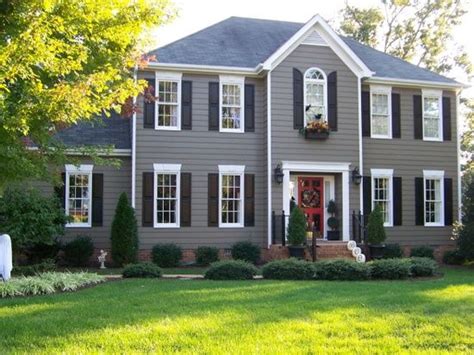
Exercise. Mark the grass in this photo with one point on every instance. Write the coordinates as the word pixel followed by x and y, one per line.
pixel 161 316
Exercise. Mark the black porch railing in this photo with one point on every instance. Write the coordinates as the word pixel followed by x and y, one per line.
pixel 279 228
pixel 359 227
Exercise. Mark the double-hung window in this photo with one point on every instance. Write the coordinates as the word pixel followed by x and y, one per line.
pixel 231 104
pixel 167 194
pixel 315 97
pixel 231 194
pixel 434 197
pixel 382 193
pixel 168 100
pixel 78 189
pixel 432 121
pixel 381 115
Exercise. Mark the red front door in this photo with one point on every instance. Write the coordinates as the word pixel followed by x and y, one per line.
pixel 311 195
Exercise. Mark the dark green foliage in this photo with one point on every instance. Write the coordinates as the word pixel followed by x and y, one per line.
pixel 392 251
pixel 38 252
pixel 297 227
pixel 146 270
pixel 288 269
pixel 423 267
pixel 30 218
pixel 332 208
pixel 206 255
pixel 333 223
pixel 166 255
pixel 78 251
pixel 30 270
pixel 124 236
pixel 246 251
pixel 231 270
pixel 341 269
pixel 390 269
pixel 453 257
pixel 422 252
pixel 375 229
pixel 466 241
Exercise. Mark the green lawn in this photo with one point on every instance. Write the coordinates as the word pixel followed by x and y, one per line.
pixel 162 316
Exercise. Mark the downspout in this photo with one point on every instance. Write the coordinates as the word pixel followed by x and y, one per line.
pixel 134 140
pixel 458 148
pixel 269 158
pixel 361 155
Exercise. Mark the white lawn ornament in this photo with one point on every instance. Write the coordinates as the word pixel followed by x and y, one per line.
pixel 360 258
pixel 6 265
pixel 351 245
pixel 356 251
pixel 101 258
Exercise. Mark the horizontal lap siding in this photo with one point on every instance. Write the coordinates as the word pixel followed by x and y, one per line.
pixel 409 157
pixel 200 151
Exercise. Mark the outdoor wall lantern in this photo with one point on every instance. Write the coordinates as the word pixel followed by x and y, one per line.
pixel 356 177
pixel 278 174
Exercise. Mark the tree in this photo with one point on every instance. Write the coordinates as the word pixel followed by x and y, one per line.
pixel 296 227
pixel 362 24
pixel 375 229
pixel 61 62
pixel 124 235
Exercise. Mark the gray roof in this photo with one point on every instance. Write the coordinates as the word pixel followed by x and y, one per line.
pixel 246 42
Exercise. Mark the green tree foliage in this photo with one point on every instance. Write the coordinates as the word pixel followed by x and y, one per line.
pixel 62 62
pixel 362 24
pixel 297 227
pixel 375 229
pixel 124 235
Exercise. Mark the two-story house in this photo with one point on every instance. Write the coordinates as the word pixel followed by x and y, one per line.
pixel 223 150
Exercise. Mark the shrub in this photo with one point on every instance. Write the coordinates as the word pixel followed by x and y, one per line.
pixel 38 252
pixel 423 267
pixel 375 229
pixel 246 251
pixel 392 251
pixel 390 269
pixel 78 251
pixel 466 240
pixel 341 269
pixel 231 270
pixel 148 270
pixel 297 227
pixel 166 255
pixel 124 234
pixel 422 252
pixel 30 270
pixel 206 255
pixel 453 257
pixel 288 269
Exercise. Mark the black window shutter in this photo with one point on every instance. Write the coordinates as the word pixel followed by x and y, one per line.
pixel 60 191
pixel 446 118
pixel 186 105
pixel 213 200
pixel 418 116
pixel 365 114
pixel 249 200
pixel 149 107
pixel 147 199
pixel 332 101
pixel 298 101
pixel 185 200
pixel 213 106
pixel 249 108
pixel 419 202
pixel 448 202
pixel 367 185
pixel 97 199
pixel 397 201
pixel 396 120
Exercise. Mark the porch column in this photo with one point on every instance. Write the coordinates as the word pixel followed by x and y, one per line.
pixel 286 193
pixel 345 206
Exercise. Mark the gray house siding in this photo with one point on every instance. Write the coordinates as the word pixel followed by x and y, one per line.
pixel 200 151
pixel 409 157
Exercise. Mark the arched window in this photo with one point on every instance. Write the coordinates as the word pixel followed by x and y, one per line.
pixel 315 99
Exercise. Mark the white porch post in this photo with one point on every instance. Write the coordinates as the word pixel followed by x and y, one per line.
pixel 345 205
pixel 286 189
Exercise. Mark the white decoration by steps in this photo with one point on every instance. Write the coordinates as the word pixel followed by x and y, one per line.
pixel 360 258
pixel 351 244
pixel 356 252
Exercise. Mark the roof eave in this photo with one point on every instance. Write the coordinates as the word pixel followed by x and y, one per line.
pixel 416 83
pixel 216 69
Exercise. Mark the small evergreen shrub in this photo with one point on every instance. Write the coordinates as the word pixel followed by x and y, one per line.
pixel 124 233
pixel 231 270
pixel 422 252
pixel 246 251
pixel 390 269
pixel 206 255
pixel 166 255
pixel 453 257
pixel 466 240
pixel 78 251
pixel 39 252
pixel 30 270
pixel 296 227
pixel 288 269
pixel 341 269
pixel 375 229
pixel 392 251
pixel 144 270
pixel 423 267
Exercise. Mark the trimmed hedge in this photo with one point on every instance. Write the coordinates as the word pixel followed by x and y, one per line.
pixel 147 270
pixel 392 251
pixel 422 252
pixel 390 269
pixel 423 267
pixel 246 251
pixel 78 251
pixel 453 257
pixel 166 255
pixel 341 269
pixel 288 269
pixel 231 270
pixel 206 255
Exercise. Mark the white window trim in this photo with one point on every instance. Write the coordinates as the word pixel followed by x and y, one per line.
pixel 381 90
pixel 325 92
pixel 383 173
pixel 434 175
pixel 232 170
pixel 168 76
pixel 85 169
pixel 437 94
pixel 167 169
pixel 232 80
